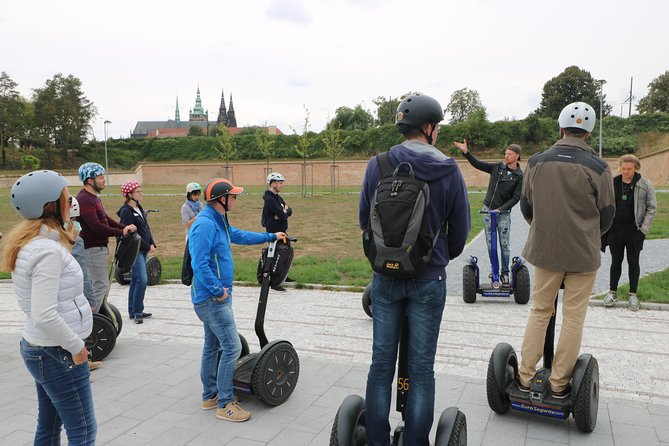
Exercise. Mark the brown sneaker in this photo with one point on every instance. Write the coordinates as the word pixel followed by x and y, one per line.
pixel 92 365
pixel 233 412
pixel 211 403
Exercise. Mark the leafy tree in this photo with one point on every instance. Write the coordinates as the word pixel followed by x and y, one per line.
pixel 347 118
pixel 385 110
pixel 657 99
pixel 195 131
pixel 304 149
pixel 265 143
pixel 62 115
pixel 225 144
pixel 333 148
pixel 573 84
pixel 462 103
pixel 12 114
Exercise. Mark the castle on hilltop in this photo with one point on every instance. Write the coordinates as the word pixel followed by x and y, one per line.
pixel 197 116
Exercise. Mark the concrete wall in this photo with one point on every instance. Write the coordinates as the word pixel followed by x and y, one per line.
pixel 655 167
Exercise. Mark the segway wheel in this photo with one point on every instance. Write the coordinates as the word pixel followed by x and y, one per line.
pixel 121 279
pixel 469 284
pixel 521 292
pixel 102 340
pixel 245 346
pixel 276 373
pixel 502 370
pixel 587 399
pixel 154 270
pixel 119 319
pixel 367 300
pixel 348 428
pixel 452 428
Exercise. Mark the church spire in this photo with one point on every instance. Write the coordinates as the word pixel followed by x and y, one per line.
pixel 176 113
pixel 231 120
pixel 222 113
pixel 198 113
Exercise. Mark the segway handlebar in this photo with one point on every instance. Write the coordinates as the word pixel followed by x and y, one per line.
pixel 494 211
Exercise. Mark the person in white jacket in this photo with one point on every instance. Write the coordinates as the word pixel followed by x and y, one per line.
pixel 48 283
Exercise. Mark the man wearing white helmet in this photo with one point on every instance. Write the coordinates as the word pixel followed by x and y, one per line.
pixel 275 211
pixel 568 201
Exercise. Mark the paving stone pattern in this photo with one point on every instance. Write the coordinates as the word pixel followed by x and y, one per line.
pixel 148 390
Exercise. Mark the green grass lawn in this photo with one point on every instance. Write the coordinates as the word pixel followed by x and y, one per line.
pixel 329 250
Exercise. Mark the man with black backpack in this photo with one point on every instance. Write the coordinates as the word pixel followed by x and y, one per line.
pixel 414 212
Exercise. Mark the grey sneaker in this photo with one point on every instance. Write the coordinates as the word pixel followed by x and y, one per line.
pixel 610 299
pixel 633 302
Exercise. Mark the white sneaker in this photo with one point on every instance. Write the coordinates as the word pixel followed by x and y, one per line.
pixel 610 299
pixel 633 302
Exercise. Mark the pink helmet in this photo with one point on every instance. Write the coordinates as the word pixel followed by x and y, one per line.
pixel 128 187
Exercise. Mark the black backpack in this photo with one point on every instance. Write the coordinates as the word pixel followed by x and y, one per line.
pixel 186 268
pixel 398 241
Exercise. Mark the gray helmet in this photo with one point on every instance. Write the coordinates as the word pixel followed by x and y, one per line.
pixel 418 109
pixel 35 189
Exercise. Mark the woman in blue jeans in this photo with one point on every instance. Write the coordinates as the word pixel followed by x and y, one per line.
pixel 49 289
pixel 132 213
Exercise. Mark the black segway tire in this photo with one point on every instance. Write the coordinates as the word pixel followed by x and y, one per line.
pixel 586 403
pixel 119 319
pixel 502 370
pixel 469 284
pixel 452 428
pixel 521 292
pixel 348 428
pixel 102 340
pixel 276 373
pixel 367 300
pixel 121 279
pixel 154 270
pixel 245 346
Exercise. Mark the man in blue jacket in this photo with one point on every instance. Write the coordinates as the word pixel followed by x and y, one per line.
pixel 423 298
pixel 209 240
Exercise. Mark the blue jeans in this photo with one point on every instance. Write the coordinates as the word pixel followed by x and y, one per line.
pixel 137 289
pixel 503 235
pixel 423 302
pixel 220 338
pixel 64 396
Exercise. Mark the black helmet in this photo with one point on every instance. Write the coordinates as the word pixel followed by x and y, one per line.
pixel 220 187
pixel 418 109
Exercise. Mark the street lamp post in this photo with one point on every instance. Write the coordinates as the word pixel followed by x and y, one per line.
pixel 106 160
pixel 601 88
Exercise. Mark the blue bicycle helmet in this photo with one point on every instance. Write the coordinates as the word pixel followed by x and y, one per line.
pixel 90 170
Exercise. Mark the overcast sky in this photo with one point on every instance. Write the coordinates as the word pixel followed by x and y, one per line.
pixel 278 56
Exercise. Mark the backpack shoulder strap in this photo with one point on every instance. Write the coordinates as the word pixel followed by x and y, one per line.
pixel 383 160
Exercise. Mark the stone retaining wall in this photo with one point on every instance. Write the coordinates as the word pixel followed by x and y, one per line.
pixel 655 167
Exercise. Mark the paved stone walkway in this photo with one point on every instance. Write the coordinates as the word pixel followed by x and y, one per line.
pixel 147 391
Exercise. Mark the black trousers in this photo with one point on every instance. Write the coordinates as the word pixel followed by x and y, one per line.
pixel 619 243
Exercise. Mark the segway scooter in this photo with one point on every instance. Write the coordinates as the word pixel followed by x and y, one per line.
pixel 107 323
pixel 349 428
pixel 272 373
pixel 154 269
pixel 504 394
pixel 367 300
pixel 519 282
